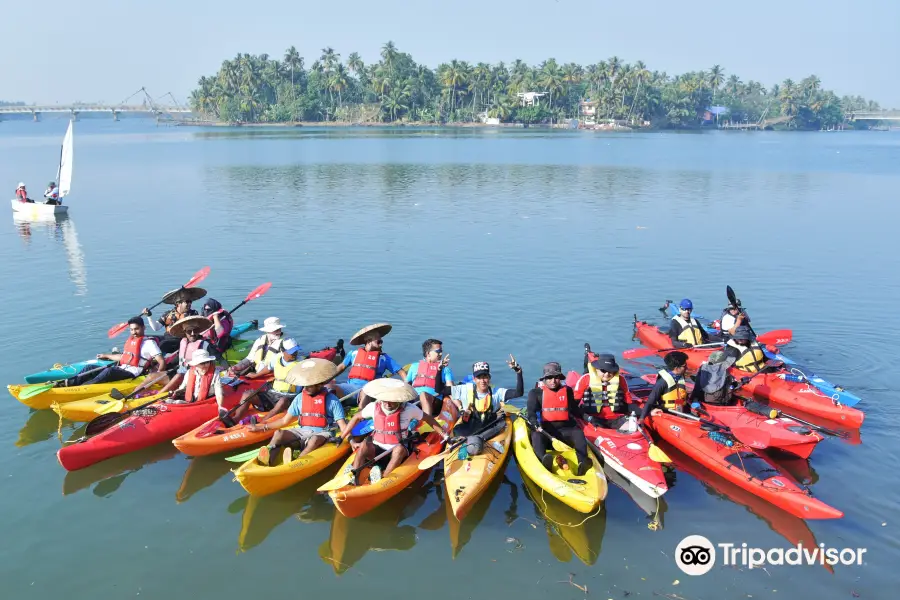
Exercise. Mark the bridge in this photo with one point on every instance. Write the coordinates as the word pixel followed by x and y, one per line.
pixel 880 115
pixel 147 107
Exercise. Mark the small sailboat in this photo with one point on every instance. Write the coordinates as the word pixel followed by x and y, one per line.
pixel 64 179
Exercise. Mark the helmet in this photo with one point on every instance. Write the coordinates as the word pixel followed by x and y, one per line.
pixel 686 304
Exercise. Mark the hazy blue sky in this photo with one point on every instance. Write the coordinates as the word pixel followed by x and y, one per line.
pixel 93 50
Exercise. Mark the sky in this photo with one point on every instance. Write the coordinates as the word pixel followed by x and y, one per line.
pixel 104 50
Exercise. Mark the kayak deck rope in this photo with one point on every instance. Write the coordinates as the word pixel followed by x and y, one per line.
pixel 558 524
pixel 835 398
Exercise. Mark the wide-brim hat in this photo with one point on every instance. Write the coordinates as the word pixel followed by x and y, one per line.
pixel 311 371
pixel 605 362
pixel 271 325
pixel 197 322
pixel 184 295
pixel 390 390
pixel 381 328
pixel 199 357
pixel 552 369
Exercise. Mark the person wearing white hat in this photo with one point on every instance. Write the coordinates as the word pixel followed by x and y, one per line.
pixel 367 363
pixel 22 194
pixel 315 411
pixel 279 394
pixel 263 348
pixel 201 381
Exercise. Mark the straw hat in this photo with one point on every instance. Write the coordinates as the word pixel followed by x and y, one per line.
pixel 197 322
pixel 390 390
pixel 199 357
pixel 184 294
pixel 271 325
pixel 311 371
pixel 381 328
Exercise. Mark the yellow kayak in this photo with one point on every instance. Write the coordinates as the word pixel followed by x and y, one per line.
pixel 466 480
pixel 91 408
pixel 62 395
pixel 584 493
pixel 260 480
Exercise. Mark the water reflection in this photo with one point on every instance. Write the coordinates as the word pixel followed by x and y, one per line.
pixel 461 531
pixel 60 228
pixel 201 473
pixel 654 507
pixel 40 426
pixel 110 474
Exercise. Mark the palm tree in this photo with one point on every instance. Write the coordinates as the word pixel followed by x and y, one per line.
pixel 293 60
pixel 389 54
pixel 329 58
pixel 716 78
pixel 339 81
pixel 550 78
pixel 355 63
pixel 396 100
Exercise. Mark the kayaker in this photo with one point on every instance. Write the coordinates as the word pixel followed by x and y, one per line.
pixel 262 349
pixel 732 317
pixel 391 414
pixel 367 363
pixel 138 352
pixel 553 408
pixel 22 194
pixel 279 395
pixel 603 390
pixel 669 391
pixel 190 330
pixel 52 194
pixel 219 335
pixel 748 355
pixel 714 384
pixel 181 299
pixel 431 375
pixel 481 405
pixel 315 409
pixel 684 329
pixel 202 380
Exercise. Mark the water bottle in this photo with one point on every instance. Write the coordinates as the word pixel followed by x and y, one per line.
pixel 630 425
pixel 719 438
pixel 790 377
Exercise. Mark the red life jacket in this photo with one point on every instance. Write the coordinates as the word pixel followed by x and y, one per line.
pixel 427 374
pixel 555 405
pixel 364 365
pixel 312 409
pixel 186 350
pixel 205 382
pixel 387 427
pixel 131 356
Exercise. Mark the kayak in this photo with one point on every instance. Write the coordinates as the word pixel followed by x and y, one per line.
pixel 213 436
pixel 461 531
pixel 61 395
pixel 782 434
pixel 160 422
pixel 584 493
pixel 770 386
pixel 260 480
pixel 741 466
pixel 60 371
pixel 627 453
pixel 466 480
pixel 91 408
pixel 353 501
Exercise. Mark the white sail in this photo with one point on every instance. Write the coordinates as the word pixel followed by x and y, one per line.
pixel 64 175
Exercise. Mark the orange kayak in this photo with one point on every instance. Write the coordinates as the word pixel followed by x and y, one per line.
pixel 214 437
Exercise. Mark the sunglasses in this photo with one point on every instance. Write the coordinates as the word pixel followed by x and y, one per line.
pixel 191 332
pixel 437 351
pixel 376 342
pixel 560 377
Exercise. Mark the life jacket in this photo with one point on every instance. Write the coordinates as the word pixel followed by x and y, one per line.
pixel 751 358
pixel 427 374
pixel 279 372
pixel 205 383
pixel 312 409
pixel 555 405
pixel 603 394
pixel 52 194
pixel 186 350
pixel 690 331
pixel 131 356
pixel 675 395
pixel 171 317
pixel 22 195
pixel 365 365
pixel 387 427
pixel 482 408
pixel 259 356
pixel 220 344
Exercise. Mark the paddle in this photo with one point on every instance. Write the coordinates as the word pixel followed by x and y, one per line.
pixel 776 337
pixel 733 299
pixel 197 278
pixel 121 399
pixel 257 293
pixel 433 460
pixel 654 452
pixel 775 413
pixel 344 479
pixel 753 437
pixel 39 388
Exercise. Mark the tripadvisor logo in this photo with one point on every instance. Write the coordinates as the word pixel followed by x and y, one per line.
pixel 696 555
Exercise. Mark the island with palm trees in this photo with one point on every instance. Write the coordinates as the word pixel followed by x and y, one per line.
pixel 258 89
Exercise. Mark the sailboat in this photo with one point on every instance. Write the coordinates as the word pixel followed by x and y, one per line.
pixel 64 179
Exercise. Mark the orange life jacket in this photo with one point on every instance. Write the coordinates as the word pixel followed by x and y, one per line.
pixel 427 374
pixel 131 357
pixel 555 405
pixel 387 427
pixel 364 365
pixel 312 409
pixel 205 382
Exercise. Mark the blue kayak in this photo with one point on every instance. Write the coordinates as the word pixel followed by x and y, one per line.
pixel 66 371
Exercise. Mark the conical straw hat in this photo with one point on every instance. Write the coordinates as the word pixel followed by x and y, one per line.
pixel 311 371
pixel 382 328
pixel 190 294
pixel 390 390
pixel 194 321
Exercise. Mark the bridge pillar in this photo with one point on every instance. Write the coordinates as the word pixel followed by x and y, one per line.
pixel 36 116
pixel 115 115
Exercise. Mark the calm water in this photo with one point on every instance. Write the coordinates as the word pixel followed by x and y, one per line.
pixel 516 241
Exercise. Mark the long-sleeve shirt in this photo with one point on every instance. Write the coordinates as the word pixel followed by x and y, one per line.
pixel 534 404
pixel 654 400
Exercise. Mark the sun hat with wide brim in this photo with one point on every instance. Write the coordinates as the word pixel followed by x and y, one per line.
pixel 184 295
pixel 311 371
pixel 381 329
pixel 390 390
pixel 199 357
pixel 271 325
pixel 197 322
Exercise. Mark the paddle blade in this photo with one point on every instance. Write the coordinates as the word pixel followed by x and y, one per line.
pixel 363 428
pixel 638 353
pixel 116 394
pixel 102 423
pixel 432 460
pixel 777 337
pixel 657 455
pixel 198 277
pixel 33 390
pixel 258 292
pixel 341 481
pixel 511 410
pixel 116 330
pixel 243 456
pixel 732 298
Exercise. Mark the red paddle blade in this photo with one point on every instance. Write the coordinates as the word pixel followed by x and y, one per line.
pixel 572 379
pixel 258 291
pixel 638 353
pixel 778 337
pixel 116 330
pixel 198 277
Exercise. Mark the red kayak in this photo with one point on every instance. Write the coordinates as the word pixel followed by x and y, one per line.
pixel 155 424
pixel 782 434
pixel 741 466
pixel 767 386
pixel 626 453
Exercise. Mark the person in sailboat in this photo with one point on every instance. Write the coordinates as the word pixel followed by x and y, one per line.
pixel 52 194
pixel 22 193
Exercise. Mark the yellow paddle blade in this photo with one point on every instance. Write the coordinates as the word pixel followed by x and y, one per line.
pixel 340 481
pixel 433 460
pixel 115 406
pixel 656 454
pixel 511 410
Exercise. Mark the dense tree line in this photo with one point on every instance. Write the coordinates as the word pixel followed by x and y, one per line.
pixel 260 89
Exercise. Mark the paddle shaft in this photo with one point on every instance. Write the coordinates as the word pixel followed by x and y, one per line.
pixel 733 299
pixel 819 428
